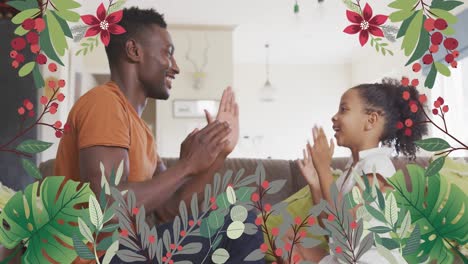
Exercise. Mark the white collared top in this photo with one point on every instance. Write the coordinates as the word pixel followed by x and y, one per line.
pixel 375 160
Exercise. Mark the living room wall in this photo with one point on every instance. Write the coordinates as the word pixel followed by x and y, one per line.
pixel 305 95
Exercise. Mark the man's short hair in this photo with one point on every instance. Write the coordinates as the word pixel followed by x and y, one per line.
pixel 134 21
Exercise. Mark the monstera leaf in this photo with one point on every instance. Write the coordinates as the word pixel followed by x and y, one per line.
pixel 45 217
pixel 440 211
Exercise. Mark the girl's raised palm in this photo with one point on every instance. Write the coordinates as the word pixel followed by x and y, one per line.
pixel 306 166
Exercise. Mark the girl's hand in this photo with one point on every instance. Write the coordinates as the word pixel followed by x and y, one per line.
pixel 321 150
pixel 306 166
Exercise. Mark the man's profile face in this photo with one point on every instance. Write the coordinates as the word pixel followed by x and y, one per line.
pixel 158 66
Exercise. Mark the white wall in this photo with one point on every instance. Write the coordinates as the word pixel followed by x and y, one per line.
pixel 219 74
pixel 306 95
pixel 371 66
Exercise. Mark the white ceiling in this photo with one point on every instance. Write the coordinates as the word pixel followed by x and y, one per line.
pixel 315 36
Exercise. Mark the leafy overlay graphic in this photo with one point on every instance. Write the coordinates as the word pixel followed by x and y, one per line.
pixel 44 219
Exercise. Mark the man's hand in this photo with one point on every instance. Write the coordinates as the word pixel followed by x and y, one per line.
pixel 228 112
pixel 200 149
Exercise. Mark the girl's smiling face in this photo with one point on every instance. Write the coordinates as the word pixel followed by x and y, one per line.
pixel 350 120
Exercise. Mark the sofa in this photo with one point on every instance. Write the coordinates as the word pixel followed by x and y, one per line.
pixel 274 170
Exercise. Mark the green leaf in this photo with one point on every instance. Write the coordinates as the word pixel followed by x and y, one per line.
pixel 220 256
pixel 118 173
pixel 380 229
pixel 430 79
pixel 216 220
pixel 441 215
pixel 31 169
pixel 433 144
pixel 231 195
pixel 69 15
pixel 238 213
pixel 116 6
pixel 405 225
pixel 404 26
pixel 109 213
pixel 276 186
pixel 32 146
pixel 205 229
pixel 95 212
pixel 23 5
pixel 255 255
pixel 66 4
pixel 375 213
pixel 421 48
pixel 222 201
pixel 57 36
pixel 194 206
pixel 63 25
pixel 412 35
pixel 84 230
pixel 449 31
pixel 391 210
pixel 46 45
pixel 435 167
pixel 403 4
pixel 413 242
pixel 128 256
pixel 243 194
pixel 389 243
pixel 26 69
pixel 38 80
pixel 109 228
pixel 449 17
pixel 445 5
pixel 81 248
pixel 54 210
pixel 20 31
pixel 111 251
pixel 442 69
pixel 365 244
pixel 23 15
pixel 381 199
pixel 400 15
pixel 191 248
pixel 235 230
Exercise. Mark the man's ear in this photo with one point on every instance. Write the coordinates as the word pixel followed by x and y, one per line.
pixel 372 120
pixel 133 50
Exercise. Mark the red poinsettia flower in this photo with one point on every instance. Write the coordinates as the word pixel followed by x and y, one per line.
pixel 365 24
pixel 104 24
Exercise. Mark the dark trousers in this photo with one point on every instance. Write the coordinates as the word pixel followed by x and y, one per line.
pixel 238 248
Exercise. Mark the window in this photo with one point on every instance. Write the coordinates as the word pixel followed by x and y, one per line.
pixel 454 90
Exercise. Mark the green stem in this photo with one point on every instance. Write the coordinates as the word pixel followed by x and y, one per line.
pixel 95 246
pixel 10 257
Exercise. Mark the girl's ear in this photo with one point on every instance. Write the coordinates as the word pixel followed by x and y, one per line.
pixel 372 120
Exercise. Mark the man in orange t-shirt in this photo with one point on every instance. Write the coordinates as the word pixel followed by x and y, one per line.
pixel 106 126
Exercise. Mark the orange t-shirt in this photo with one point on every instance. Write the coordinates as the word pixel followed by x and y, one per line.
pixel 104 117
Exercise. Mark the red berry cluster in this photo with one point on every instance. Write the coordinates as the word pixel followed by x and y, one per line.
pixel 438 38
pixel 439 106
pixel 405 81
pixel 27 105
pixel 408 123
pixel 34 27
pixel 51 107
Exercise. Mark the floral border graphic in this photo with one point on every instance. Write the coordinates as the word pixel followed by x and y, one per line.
pixel 53 219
